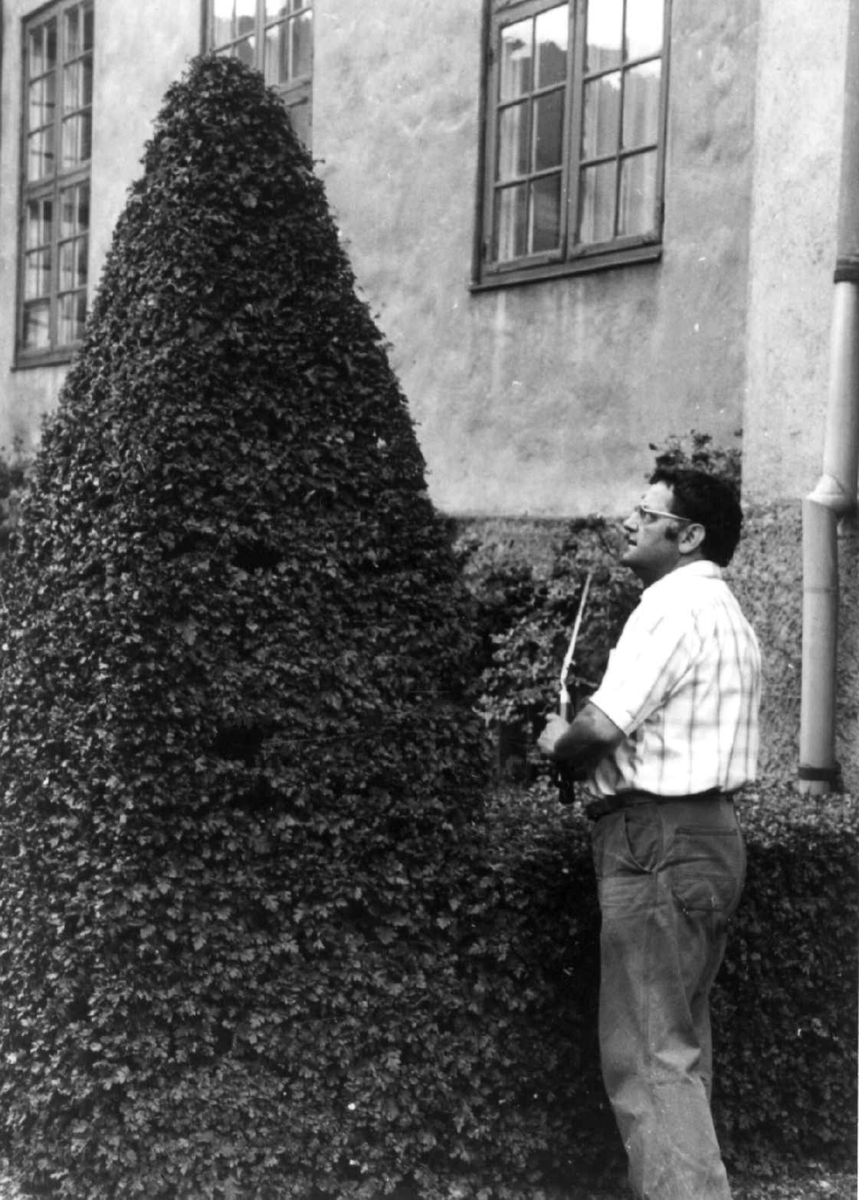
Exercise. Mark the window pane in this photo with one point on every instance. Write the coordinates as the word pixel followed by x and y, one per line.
pixel 514 156
pixel 602 113
pixel 516 60
pixel 641 105
pixel 596 215
pixel 546 214
pixel 276 67
pixel 73 264
pixel 77 139
pixel 302 44
pixel 74 31
pixel 42 100
pixel 77 85
pixel 83 207
pixel 644 27
pixel 637 207
pixel 37 274
pixel 275 9
pixel 68 212
pixel 511 223
pixel 551 38
pixel 74 210
pixel 40 217
pixel 245 51
pixel 43 48
pixel 299 116
pixel 72 315
pixel 88 28
pixel 548 130
pixel 246 15
pixel 76 264
pixel 40 153
pixel 605 34
pixel 222 22
pixel 299 4
pixel 37 326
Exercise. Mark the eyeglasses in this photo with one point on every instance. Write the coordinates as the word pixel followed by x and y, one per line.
pixel 641 510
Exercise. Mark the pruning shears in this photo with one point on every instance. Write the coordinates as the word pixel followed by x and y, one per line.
pixel 565 702
pixel 566 787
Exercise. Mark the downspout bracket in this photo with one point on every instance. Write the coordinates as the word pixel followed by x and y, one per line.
pixel 830 775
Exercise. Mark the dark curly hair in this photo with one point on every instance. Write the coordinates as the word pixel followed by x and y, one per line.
pixel 708 501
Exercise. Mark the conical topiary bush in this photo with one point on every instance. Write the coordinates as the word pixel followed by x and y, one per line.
pixel 236 757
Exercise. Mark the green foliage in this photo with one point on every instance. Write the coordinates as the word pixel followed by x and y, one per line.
pixel 786 1016
pixel 785 1003
pixel 237 746
pixel 14 469
pixel 526 616
pixel 698 450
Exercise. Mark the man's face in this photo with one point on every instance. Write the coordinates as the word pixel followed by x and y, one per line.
pixel 652 542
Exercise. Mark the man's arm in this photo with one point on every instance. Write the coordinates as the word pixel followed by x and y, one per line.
pixel 583 743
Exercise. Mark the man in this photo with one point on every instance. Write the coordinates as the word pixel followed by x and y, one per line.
pixel 668 737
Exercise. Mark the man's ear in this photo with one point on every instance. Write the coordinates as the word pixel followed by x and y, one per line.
pixel 691 538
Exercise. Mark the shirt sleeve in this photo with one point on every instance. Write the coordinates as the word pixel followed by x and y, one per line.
pixel 653 656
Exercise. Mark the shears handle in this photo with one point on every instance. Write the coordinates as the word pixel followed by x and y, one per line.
pixel 560 774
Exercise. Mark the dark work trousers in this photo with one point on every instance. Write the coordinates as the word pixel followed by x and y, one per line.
pixel 670 874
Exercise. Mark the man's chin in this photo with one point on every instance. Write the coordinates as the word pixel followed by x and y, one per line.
pixel 629 559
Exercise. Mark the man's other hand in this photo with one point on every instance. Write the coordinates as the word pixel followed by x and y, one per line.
pixel 556 725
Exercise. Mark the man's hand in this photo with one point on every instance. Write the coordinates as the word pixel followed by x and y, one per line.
pixel 556 725
pixel 584 742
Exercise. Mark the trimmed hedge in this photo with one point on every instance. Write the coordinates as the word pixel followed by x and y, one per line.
pixel 786 1012
pixel 237 745
pixel 784 1005
pixel 525 616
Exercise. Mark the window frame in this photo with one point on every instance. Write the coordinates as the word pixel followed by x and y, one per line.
pixel 570 257
pixel 295 93
pixel 51 187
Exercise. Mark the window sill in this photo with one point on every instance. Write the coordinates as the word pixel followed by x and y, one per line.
pixel 586 265
pixel 52 358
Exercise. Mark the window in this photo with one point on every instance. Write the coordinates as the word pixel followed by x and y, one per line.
pixel 276 37
pixel 56 181
pixel 574 118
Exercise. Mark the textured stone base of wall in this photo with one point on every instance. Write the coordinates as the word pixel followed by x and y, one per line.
pixel 767 578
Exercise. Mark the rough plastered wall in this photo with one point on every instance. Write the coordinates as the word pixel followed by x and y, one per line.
pixel 798 126
pixel 767 577
pixel 139 49
pixel 539 399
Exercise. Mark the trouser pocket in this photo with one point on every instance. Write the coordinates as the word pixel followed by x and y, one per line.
pixel 707 868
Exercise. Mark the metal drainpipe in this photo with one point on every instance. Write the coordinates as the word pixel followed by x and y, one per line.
pixel 835 494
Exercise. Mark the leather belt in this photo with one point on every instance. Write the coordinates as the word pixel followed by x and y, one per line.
pixel 603 806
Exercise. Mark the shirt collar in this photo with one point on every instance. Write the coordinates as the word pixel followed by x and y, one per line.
pixel 701 568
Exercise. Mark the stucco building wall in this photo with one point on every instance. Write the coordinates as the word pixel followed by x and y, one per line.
pixel 798 125
pixel 538 399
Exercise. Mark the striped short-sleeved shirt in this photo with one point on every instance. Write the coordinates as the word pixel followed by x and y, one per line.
pixel 683 683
